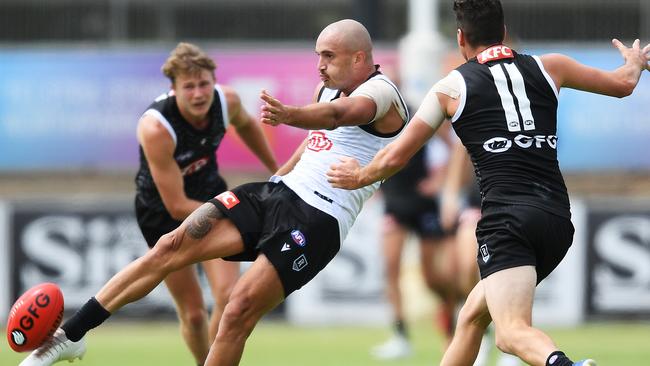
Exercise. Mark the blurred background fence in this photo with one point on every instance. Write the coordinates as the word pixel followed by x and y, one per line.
pixel 119 21
pixel 76 74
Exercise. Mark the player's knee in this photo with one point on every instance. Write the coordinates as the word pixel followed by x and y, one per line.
pixel 237 321
pixel 195 319
pixel 503 341
pixel 507 337
pixel 222 292
pixel 237 312
pixel 161 256
pixel 472 315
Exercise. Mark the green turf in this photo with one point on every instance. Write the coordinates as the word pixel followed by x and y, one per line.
pixel 128 344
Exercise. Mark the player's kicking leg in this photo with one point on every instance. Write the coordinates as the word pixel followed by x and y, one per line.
pixel 204 235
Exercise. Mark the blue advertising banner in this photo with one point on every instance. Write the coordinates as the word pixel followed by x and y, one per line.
pixel 74 109
pixel 70 109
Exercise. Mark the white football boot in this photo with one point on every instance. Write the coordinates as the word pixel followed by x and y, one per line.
pixel 395 348
pixel 58 348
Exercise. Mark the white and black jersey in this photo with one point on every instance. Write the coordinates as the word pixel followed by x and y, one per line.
pixel 195 152
pixel 507 120
pixel 362 142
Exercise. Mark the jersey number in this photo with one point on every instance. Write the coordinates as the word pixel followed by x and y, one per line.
pixel 508 96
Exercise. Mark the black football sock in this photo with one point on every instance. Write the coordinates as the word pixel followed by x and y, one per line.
pixel 88 317
pixel 400 328
pixel 558 358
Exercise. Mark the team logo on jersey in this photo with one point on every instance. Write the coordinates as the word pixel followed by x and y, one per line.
pixel 299 238
pixel 494 53
pixel 502 144
pixel 485 253
pixel 318 141
pixel 228 199
pixel 195 166
pixel 299 263
pixel 497 144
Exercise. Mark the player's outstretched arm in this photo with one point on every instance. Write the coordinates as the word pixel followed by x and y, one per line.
pixel 249 130
pixel 388 161
pixel 567 72
pixel 349 111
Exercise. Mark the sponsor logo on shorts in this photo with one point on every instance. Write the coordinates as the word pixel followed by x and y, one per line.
pixel 318 142
pixel 300 263
pixel 485 253
pixel 285 247
pixel 299 238
pixel 228 199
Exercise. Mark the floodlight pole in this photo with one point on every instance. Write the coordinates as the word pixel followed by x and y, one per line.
pixel 421 51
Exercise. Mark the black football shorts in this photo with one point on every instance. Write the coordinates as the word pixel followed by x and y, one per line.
pixel 298 239
pixel 418 214
pixel 153 224
pixel 517 235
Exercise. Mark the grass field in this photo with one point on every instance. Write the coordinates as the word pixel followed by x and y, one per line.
pixel 143 344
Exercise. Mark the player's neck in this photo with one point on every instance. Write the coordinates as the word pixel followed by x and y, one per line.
pixel 362 78
pixel 471 52
pixel 198 123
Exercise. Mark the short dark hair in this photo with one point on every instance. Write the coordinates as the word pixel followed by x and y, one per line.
pixel 481 21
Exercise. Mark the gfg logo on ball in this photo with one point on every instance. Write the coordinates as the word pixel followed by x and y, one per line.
pixel 502 144
pixel 27 321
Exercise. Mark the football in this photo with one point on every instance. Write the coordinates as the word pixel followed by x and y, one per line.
pixel 34 317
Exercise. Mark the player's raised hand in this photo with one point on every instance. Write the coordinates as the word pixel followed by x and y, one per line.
pixel 634 54
pixel 273 111
pixel 345 174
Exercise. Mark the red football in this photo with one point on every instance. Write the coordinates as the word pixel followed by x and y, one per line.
pixel 34 317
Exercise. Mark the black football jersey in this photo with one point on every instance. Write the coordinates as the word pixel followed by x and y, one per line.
pixel 195 151
pixel 507 120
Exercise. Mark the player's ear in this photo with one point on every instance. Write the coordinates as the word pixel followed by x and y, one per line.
pixel 359 57
pixel 505 33
pixel 460 38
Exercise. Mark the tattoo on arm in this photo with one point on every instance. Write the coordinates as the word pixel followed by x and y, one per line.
pixel 201 221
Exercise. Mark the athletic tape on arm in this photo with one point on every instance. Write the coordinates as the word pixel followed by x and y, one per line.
pixel 380 92
pixel 430 110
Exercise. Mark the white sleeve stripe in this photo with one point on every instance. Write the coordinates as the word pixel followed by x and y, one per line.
pixel 463 95
pixel 163 121
pixel 224 105
pixel 547 76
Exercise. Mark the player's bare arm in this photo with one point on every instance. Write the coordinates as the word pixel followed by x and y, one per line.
pixel 567 72
pixel 249 130
pixel 345 111
pixel 439 103
pixel 158 147
pixel 388 161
